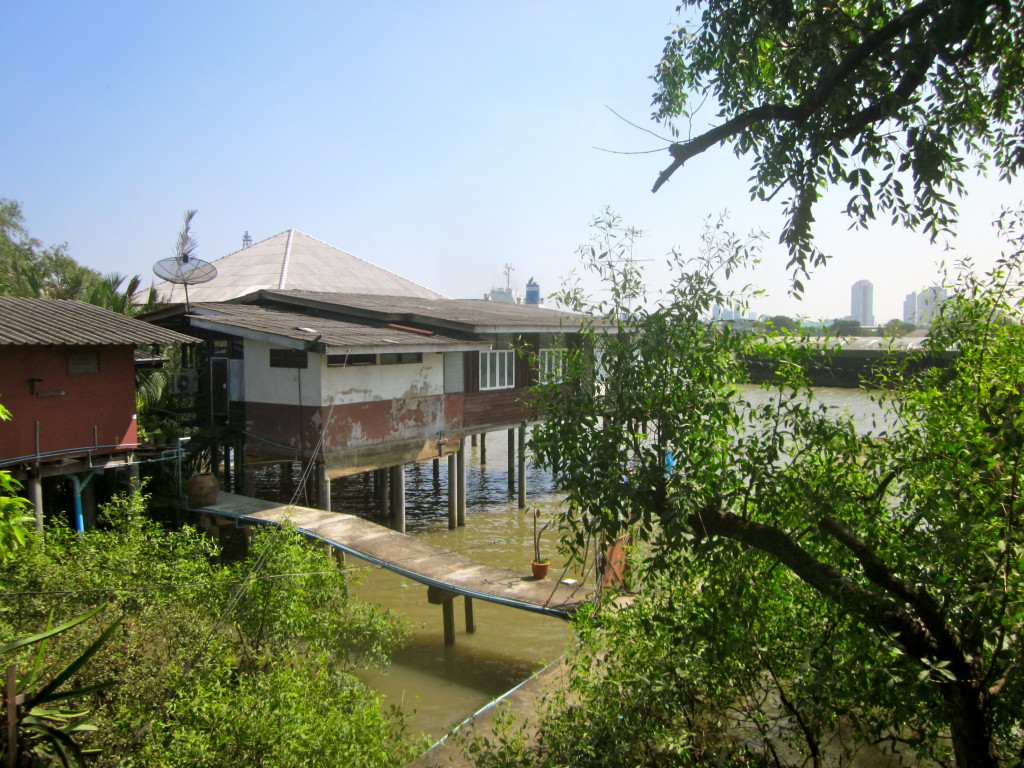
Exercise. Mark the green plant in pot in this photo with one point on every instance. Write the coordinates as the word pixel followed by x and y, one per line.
pixel 539 565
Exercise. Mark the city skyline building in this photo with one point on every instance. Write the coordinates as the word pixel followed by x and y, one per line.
pixel 862 298
pixel 921 308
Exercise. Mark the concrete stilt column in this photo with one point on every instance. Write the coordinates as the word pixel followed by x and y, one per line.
pixel 445 599
pixel 309 482
pixel 472 440
pixel 382 491
pixel 453 491
pixel 461 472
pixel 35 493
pixel 249 482
pixel 511 460
pixel 448 614
pixel 239 481
pixel 470 621
pixel 483 448
pixel 324 486
pixel 522 466
pixel 227 467
pixel 398 498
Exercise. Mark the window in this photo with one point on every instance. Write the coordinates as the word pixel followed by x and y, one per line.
pixel 551 365
pixel 288 358
pixel 391 358
pixel 83 361
pixel 335 361
pixel 498 369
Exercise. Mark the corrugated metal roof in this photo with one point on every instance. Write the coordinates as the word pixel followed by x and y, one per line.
pixel 462 314
pixel 53 321
pixel 293 260
pixel 328 334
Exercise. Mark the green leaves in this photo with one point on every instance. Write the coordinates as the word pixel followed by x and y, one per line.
pixel 867 581
pixel 283 654
pixel 817 93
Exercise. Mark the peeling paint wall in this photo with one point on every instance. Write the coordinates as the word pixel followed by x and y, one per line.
pixel 346 385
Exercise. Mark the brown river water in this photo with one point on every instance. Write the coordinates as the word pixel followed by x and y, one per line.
pixel 439 687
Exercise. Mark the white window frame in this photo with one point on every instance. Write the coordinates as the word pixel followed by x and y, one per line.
pixel 551 365
pixel 497 369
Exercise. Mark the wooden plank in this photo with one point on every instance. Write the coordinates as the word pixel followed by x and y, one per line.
pixel 428 564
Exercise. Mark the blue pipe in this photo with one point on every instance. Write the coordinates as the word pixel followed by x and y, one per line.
pixel 78 485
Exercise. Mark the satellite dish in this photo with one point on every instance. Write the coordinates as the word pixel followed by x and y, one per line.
pixel 184 268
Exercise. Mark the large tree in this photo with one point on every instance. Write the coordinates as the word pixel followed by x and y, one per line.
pixel 895 100
pixel 869 584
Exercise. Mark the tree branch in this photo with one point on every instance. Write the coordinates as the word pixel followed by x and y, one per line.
pixel 883 612
pixel 817 97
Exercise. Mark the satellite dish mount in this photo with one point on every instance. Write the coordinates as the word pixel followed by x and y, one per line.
pixel 184 268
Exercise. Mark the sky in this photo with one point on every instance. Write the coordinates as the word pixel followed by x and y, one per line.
pixel 440 140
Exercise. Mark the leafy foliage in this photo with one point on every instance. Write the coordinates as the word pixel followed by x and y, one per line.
pixel 30 270
pixel 859 584
pixel 200 644
pixel 894 100
pixel 43 733
pixel 12 509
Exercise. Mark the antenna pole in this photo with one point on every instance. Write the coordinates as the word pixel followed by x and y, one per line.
pixel 188 309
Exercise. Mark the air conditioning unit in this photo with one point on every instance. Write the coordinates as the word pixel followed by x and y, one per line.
pixel 183 382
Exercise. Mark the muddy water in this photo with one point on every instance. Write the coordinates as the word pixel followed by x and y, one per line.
pixel 442 686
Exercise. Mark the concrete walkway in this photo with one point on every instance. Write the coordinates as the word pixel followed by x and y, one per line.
pixel 447 572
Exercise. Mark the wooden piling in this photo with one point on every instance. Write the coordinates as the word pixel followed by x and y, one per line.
pixel 483 448
pixel 511 461
pixel 461 473
pixel 324 486
pixel 398 498
pixel 522 466
pixel 453 492
pixel 470 620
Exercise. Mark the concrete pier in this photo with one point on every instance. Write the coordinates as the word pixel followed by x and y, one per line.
pixel 461 475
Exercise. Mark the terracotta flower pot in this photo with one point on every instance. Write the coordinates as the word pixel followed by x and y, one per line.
pixel 202 489
pixel 540 570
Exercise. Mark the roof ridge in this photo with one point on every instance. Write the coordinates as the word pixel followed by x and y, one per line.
pixel 284 261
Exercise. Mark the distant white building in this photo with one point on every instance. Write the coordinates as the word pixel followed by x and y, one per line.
pixel 910 309
pixel 922 308
pixel 862 303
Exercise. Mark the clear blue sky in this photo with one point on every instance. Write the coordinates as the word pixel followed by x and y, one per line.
pixel 437 139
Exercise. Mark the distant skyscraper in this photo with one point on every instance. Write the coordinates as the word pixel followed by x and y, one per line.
pixel 910 309
pixel 862 302
pixel 929 302
pixel 922 308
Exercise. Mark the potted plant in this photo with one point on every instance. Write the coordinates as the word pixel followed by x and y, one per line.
pixel 540 566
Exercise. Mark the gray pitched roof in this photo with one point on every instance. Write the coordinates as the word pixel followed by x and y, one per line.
pixel 463 315
pixel 294 260
pixel 297 330
pixel 53 321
